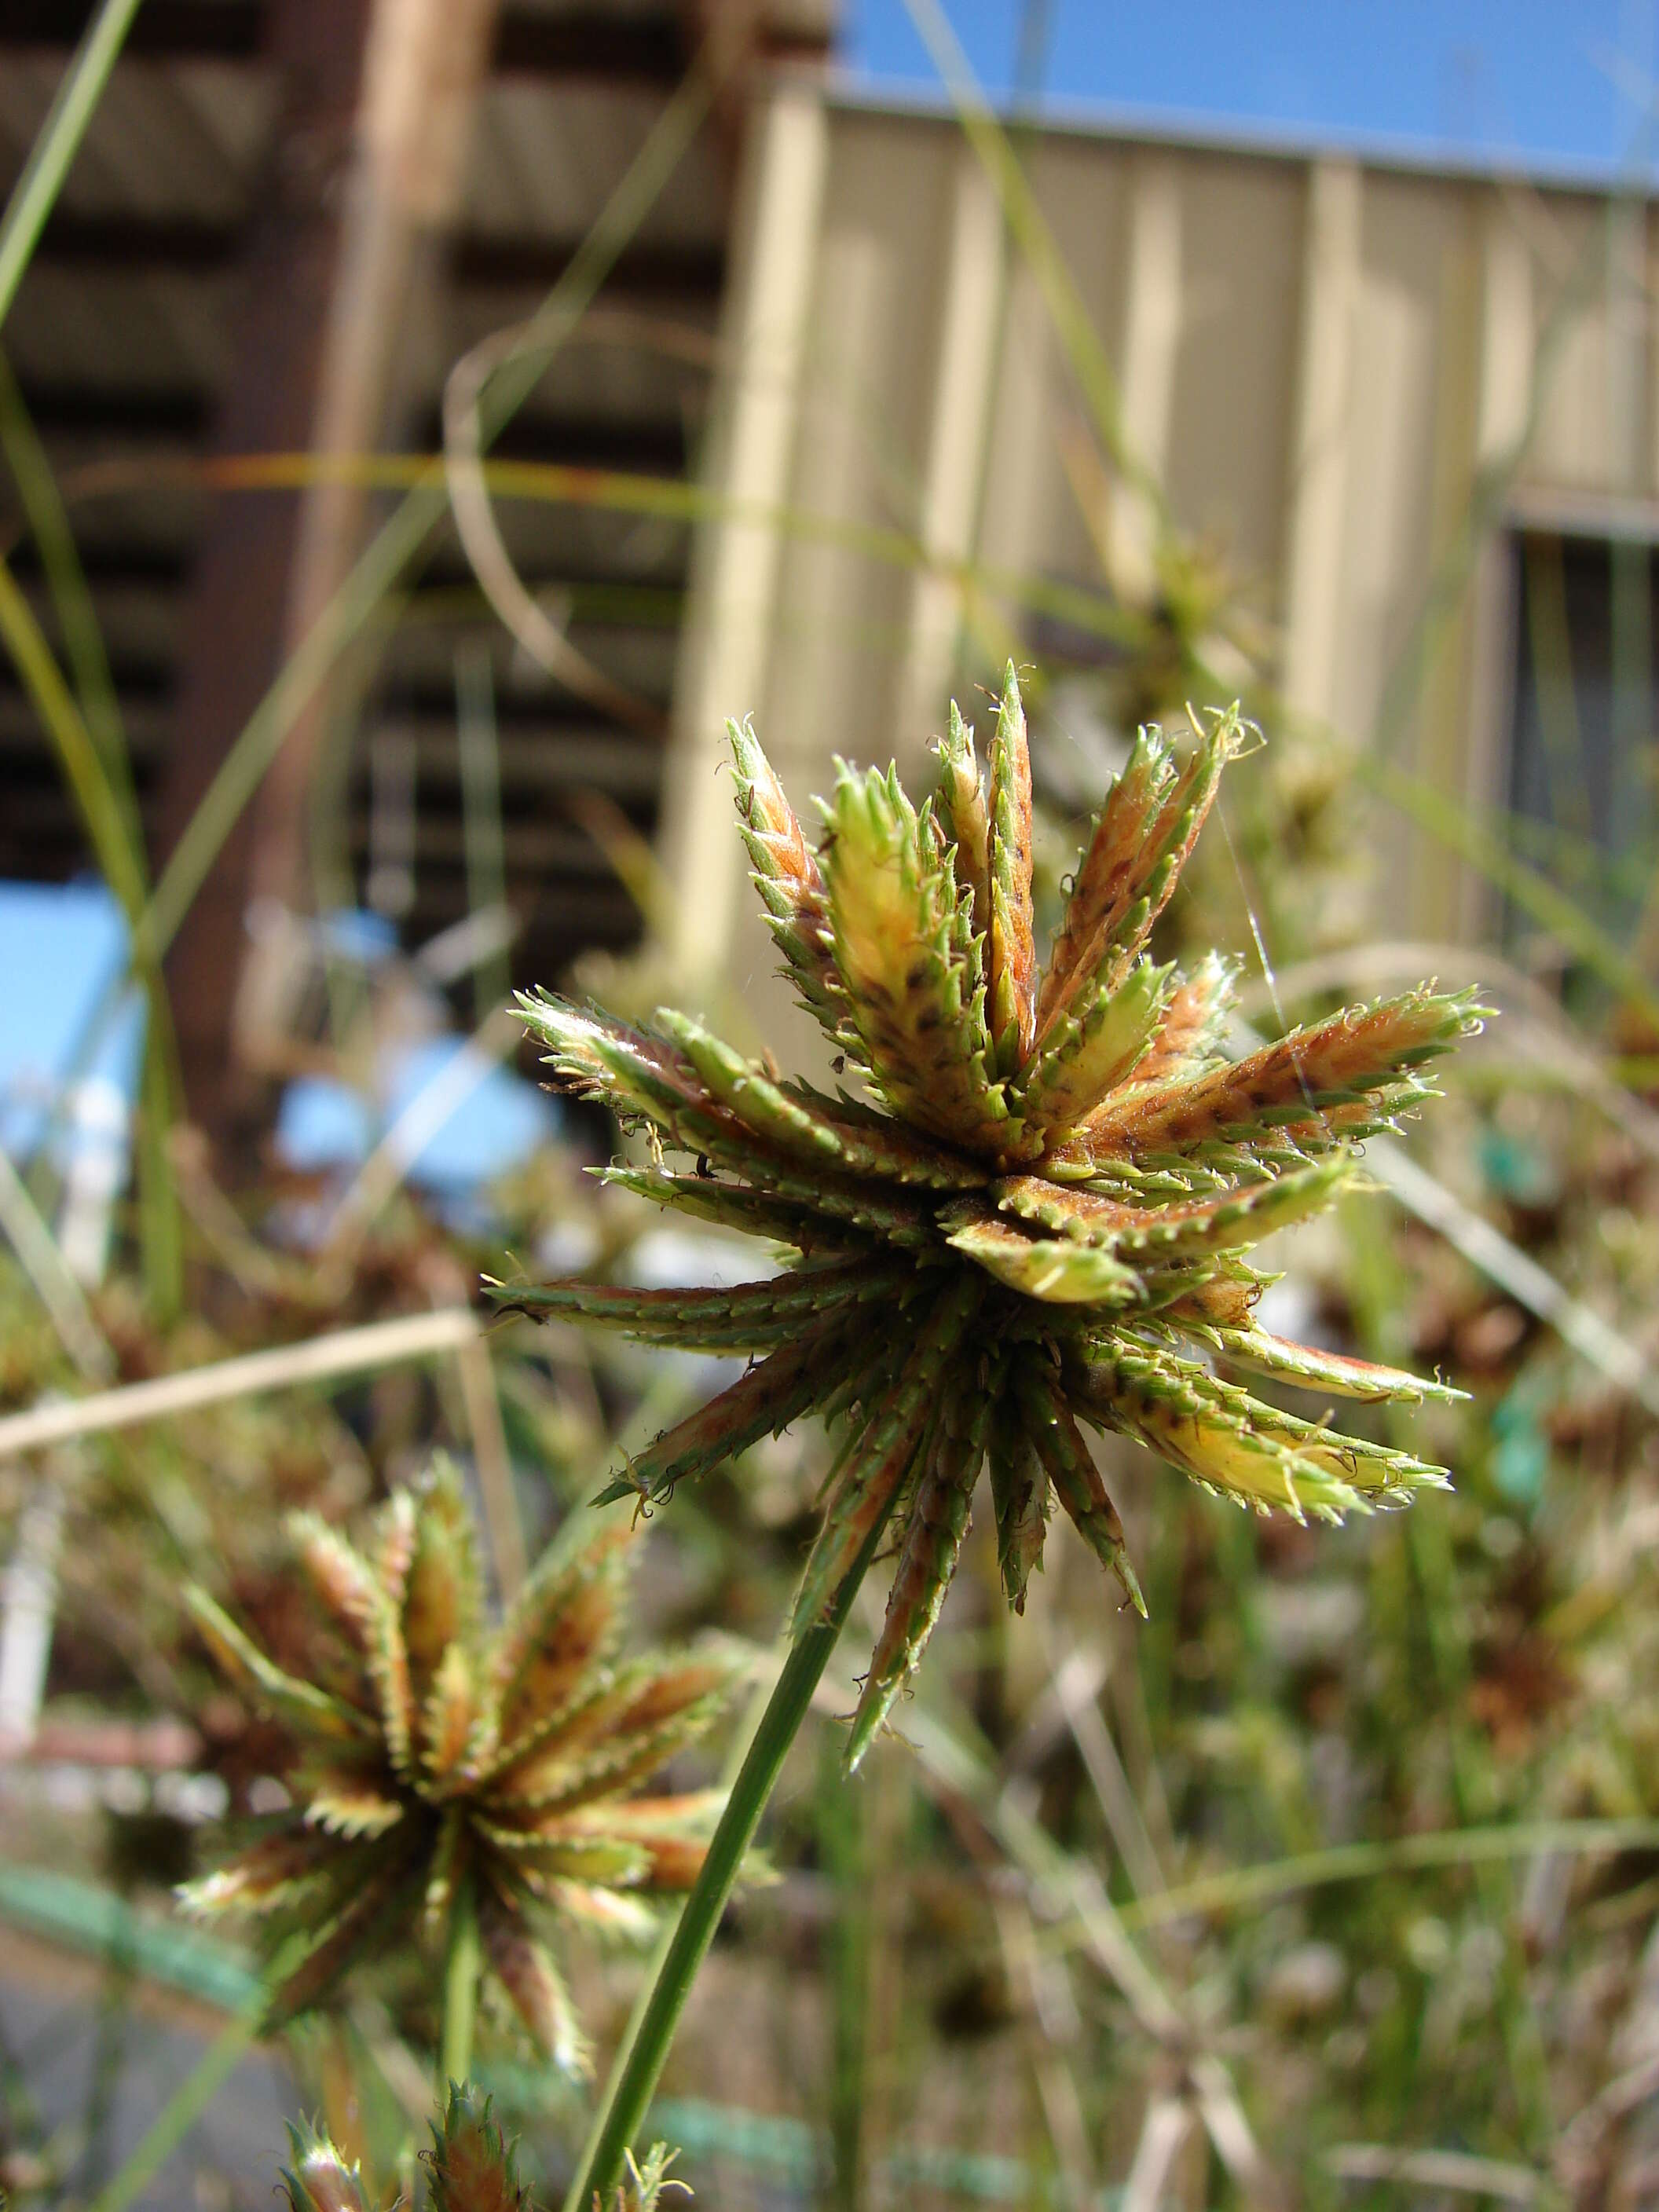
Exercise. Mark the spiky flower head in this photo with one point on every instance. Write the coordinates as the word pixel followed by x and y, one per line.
pixel 645 2183
pixel 471 2165
pixel 1034 1223
pixel 437 1759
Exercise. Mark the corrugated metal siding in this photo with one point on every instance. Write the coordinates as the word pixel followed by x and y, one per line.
pixel 1314 357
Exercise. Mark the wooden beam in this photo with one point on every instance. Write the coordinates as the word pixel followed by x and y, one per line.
pixel 237 621
pixel 422 65
pixel 1151 339
pixel 689 271
pixel 973 299
pixel 123 247
pixel 1507 356
pixel 724 649
pixel 172 30
pixel 1319 453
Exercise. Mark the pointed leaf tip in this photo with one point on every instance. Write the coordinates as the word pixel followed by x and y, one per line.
pixel 787 876
pixel 1010 965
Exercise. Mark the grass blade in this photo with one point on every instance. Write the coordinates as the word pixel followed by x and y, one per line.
pixel 121 860
pixel 35 193
pixel 42 175
pixel 71 596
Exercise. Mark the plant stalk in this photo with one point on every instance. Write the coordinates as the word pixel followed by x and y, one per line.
pixel 639 2062
pixel 461 1966
pixel 202 2084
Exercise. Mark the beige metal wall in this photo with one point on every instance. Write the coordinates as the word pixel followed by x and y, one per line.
pixel 1321 360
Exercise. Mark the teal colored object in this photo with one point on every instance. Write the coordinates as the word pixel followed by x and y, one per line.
pixel 1516 1169
pixel 1521 1448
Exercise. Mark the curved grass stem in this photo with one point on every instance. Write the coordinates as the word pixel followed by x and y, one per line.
pixel 639 2062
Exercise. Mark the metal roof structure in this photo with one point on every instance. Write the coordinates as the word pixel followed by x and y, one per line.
pixel 181 306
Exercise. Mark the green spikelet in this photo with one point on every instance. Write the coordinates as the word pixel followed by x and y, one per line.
pixel 1056 1270
pixel 1020 1497
pixel 300 1705
pixel 1065 1458
pixel 965 819
pixel 644 1081
pixel 933 1543
pixel 1328 1372
pixel 762 1403
pixel 912 968
pixel 751 1317
pixel 1189 1230
pixel 1095 1047
pixel 1012 939
pixel 819 1215
pixel 871 1482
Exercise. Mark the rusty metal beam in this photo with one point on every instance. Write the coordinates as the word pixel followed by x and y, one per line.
pixel 423 64
pixel 236 626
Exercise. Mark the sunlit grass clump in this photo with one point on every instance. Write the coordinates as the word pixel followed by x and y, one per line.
pixel 1035 1220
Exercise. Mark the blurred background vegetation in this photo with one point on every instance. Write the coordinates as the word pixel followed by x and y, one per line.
pixel 422 425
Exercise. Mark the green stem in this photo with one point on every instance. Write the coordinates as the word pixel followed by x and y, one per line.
pixel 461 1966
pixel 198 2089
pixel 639 2062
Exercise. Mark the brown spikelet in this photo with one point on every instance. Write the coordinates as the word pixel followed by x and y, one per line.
pixel 1330 1065
pixel 532 1983
pixel 1192 1035
pixel 787 877
pixel 964 818
pixel 471 2165
pixel 1110 872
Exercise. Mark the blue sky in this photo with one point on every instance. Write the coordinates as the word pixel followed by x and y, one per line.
pixel 1554 83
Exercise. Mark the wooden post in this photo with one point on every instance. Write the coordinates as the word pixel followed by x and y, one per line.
pixel 236 623
pixel 366 168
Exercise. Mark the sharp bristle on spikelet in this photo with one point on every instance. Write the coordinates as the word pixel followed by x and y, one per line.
pixel 911 965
